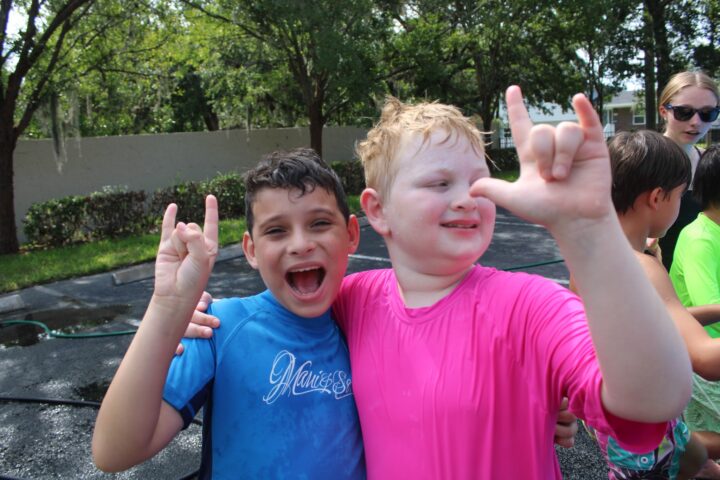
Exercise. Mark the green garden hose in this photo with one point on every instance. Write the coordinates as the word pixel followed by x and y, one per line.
pixel 54 334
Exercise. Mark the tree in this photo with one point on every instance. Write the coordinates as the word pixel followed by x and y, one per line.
pixel 327 46
pixel 707 53
pixel 37 51
pixel 599 30
pixel 70 53
pixel 666 37
pixel 468 52
pixel 135 77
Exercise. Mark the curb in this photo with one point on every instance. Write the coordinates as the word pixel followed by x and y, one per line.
pixel 11 303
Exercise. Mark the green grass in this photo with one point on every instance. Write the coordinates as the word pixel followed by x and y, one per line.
pixel 43 266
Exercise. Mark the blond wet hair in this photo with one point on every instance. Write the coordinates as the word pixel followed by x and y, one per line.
pixel 378 153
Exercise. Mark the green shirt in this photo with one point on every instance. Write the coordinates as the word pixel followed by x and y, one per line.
pixel 695 271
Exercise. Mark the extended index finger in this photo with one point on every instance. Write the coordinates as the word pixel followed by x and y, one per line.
pixel 520 123
pixel 588 118
pixel 210 229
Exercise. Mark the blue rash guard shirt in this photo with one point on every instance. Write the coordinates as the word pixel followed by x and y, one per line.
pixel 277 393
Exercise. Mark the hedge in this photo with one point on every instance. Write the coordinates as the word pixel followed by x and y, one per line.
pixel 352 176
pixel 115 211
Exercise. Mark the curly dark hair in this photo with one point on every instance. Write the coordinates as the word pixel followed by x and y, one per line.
pixel 299 169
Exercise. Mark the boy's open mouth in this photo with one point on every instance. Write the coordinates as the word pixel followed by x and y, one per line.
pixel 305 280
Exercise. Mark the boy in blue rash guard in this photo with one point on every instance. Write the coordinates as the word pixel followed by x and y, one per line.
pixel 275 378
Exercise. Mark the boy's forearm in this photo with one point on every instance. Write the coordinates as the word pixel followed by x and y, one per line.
pixel 645 365
pixel 128 420
pixel 706 314
pixel 704 350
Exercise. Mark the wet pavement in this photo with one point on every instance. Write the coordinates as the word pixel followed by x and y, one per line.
pixel 42 439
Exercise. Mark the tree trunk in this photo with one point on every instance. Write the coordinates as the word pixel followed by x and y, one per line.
pixel 650 103
pixel 649 70
pixel 488 101
pixel 656 10
pixel 8 232
pixel 317 122
pixel 600 100
pixel 212 123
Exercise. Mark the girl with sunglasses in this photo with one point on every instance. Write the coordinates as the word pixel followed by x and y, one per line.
pixel 688 105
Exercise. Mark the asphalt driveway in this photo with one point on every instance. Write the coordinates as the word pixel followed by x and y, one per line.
pixel 43 440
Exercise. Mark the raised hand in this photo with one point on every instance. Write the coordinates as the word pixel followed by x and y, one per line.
pixel 564 169
pixel 186 256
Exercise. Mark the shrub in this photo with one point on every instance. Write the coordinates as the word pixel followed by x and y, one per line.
pixel 229 189
pixel 351 175
pixel 189 197
pixel 116 212
pixel 57 222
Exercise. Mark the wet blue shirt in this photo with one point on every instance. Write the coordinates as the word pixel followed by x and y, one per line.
pixel 277 392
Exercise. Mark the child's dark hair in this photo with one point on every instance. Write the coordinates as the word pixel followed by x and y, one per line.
pixel 642 161
pixel 706 185
pixel 299 169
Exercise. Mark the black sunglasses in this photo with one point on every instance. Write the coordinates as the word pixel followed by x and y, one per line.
pixel 683 113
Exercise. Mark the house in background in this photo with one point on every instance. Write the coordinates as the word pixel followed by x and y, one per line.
pixel 624 112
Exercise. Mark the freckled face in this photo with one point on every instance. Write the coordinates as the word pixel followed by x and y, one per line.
pixel 690 131
pixel 435 225
pixel 300 246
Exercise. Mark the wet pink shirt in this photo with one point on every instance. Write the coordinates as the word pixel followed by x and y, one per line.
pixel 470 387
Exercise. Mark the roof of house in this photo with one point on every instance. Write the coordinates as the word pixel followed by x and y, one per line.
pixel 624 99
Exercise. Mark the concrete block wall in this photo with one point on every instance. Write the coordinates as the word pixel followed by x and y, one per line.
pixel 148 162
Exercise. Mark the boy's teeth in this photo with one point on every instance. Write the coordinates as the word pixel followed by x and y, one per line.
pixel 306 280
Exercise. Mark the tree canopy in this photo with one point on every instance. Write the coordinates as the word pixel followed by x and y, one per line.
pixel 110 67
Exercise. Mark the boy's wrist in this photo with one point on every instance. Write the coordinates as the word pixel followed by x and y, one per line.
pixel 582 230
pixel 171 305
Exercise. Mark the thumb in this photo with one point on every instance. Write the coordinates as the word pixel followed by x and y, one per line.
pixel 497 191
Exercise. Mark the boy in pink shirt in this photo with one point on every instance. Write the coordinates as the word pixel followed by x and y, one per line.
pixel 459 370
